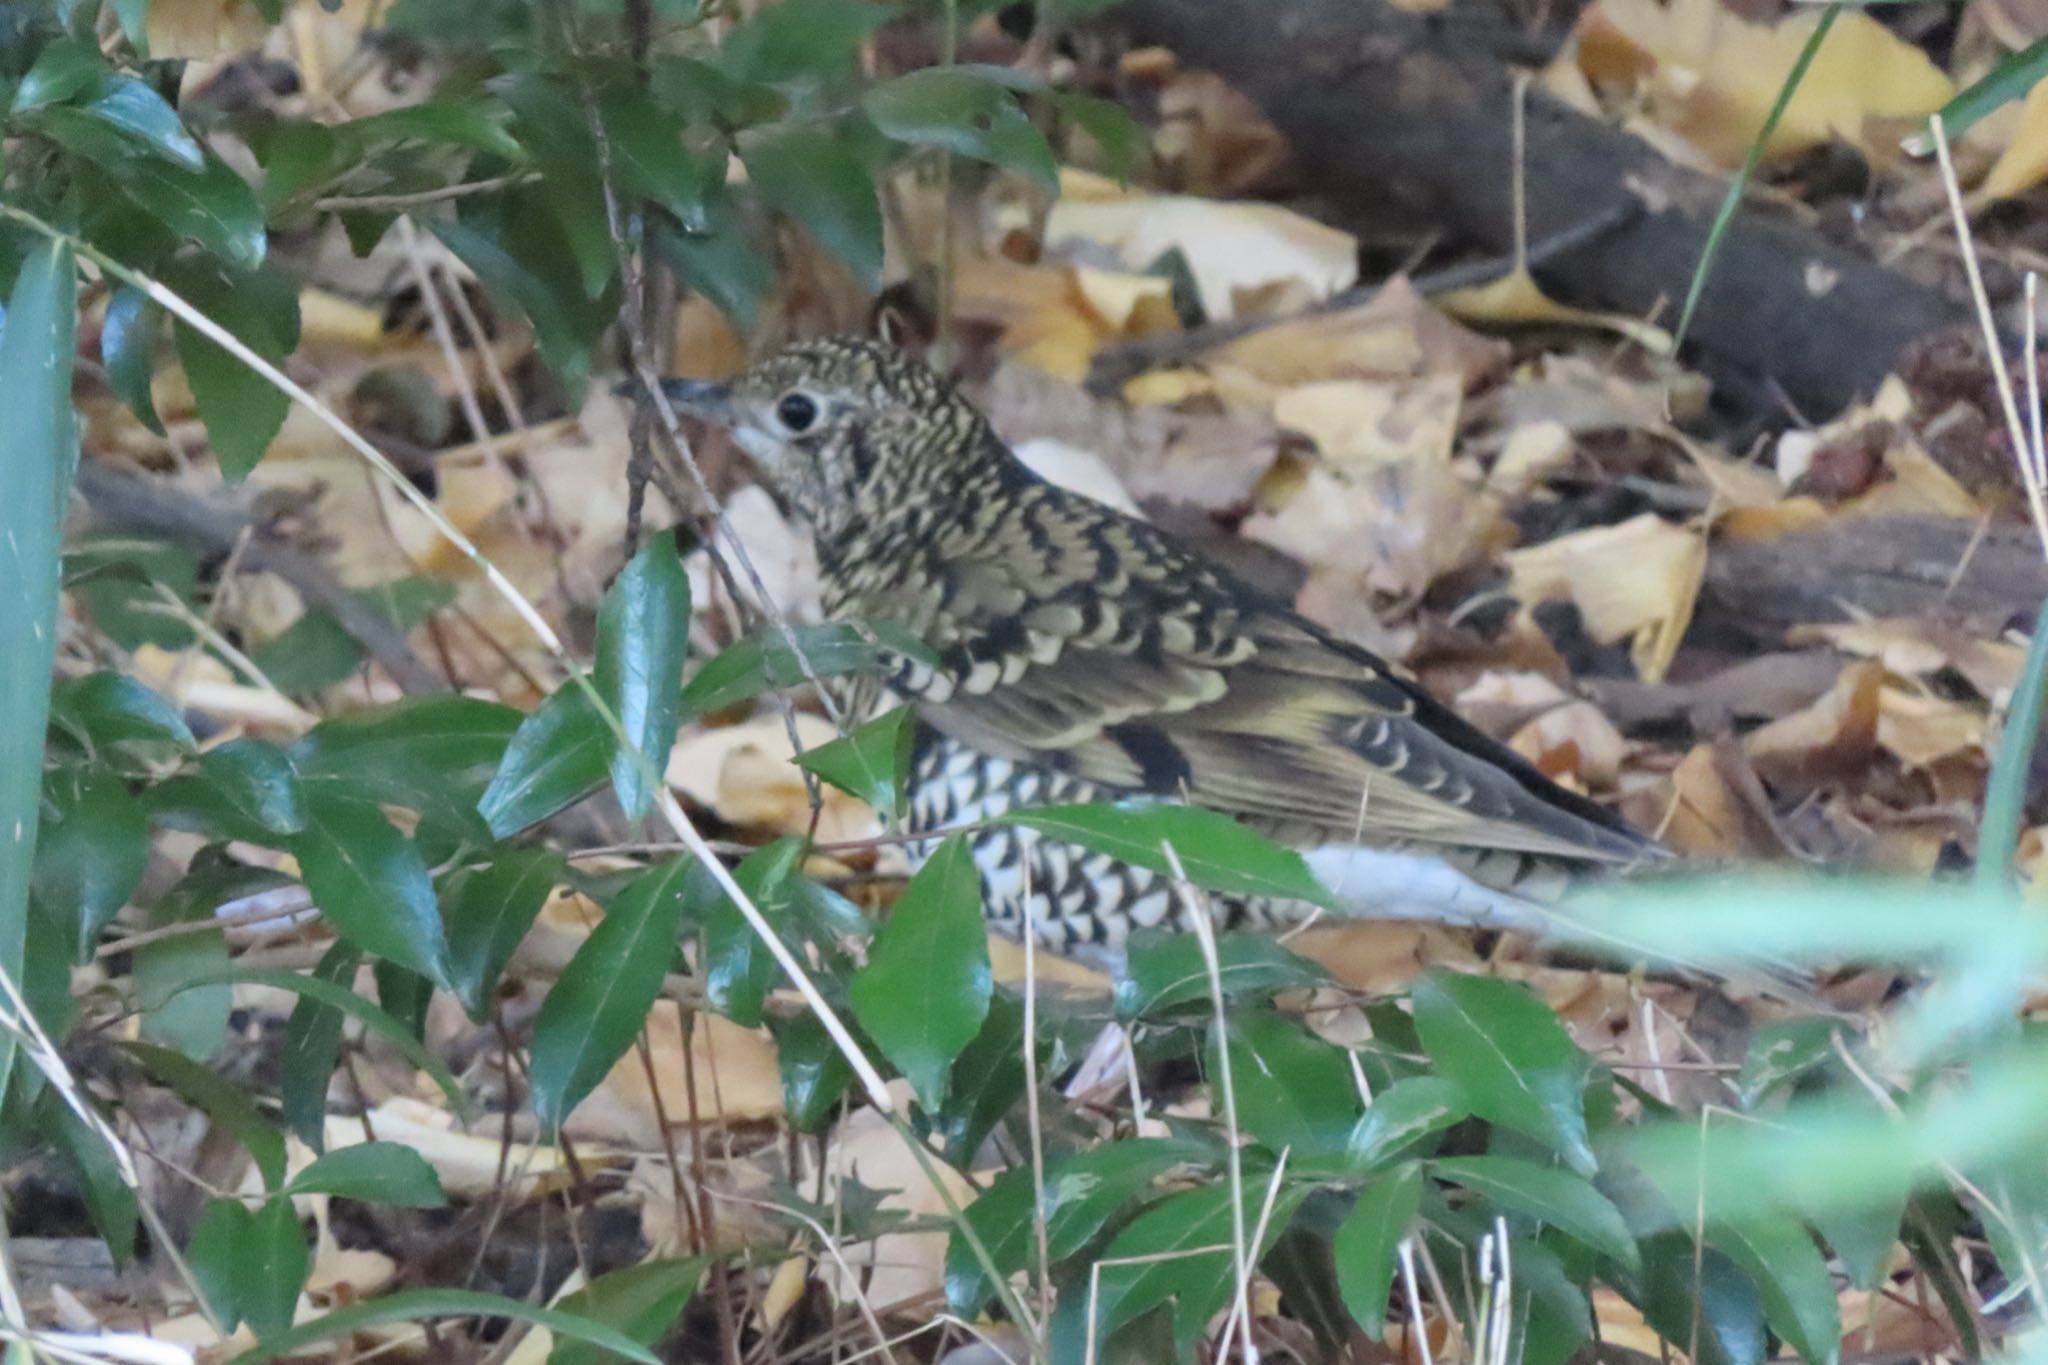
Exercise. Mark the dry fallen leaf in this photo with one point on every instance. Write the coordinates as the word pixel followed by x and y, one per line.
pixel 1712 76
pixel 1832 739
pixel 744 774
pixel 1397 334
pixel 1638 579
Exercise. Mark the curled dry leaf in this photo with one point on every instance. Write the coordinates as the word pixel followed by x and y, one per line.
pixel 744 774
pixel 1832 739
pixel 1637 580
pixel 1516 298
pixel 1921 730
pixel 1396 334
pixel 1228 245
pixel 1707 819
pixel 1054 317
pixel 1391 528
pixel 1712 77
pixel 1355 422
pixel 734 1069
pixel 1911 648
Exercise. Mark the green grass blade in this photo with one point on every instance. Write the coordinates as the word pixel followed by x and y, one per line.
pixel 2005 797
pixel 2015 74
pixel 1732 200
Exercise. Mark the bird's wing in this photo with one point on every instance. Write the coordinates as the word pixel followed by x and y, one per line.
pixel 1134 665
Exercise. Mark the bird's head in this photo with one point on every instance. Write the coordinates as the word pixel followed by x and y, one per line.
pixel 846 428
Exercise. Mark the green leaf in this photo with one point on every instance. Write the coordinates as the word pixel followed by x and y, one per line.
pixel 109 1199
pixel 39 450
pixel 817 180
pixel 1178 1250
pixel 1216 852
pixel 643 631
pixel 131 335
pixel 559 755
pixel 371 884
pixel 241 409
pixel 815 1073
pixel 414 1305
pixel 727 261
pixel 872 763
pixel 925 989
pixel 600 1002
pixel 107 709
pixel 213 207
pixel 1781 1052
pixel 1292 1089
pixel 1402 1115
pixel 487 911
pixel 800 39
pixel 222 1101
pixel 90 854
pixel 404 995
pixel 1083 1192
pixel 2014 75
pixel 1165 970
pixel 560 337
pixel 647 155
pixel 642 1302
pixel 434 755
pixel 555 129
pixel 317 651
pixel 1798 1294
pixel 376 1173
pixel 988 1076
pixel 964 110
pixel 258 782
pixel 194 1022
pixel 1368 1243
pixel 134 110
pixel 738 968
pixel 251 1265
pixel 62 71
pixel 2005 796
pixel 764 660
pixel 1510 1056
pixel 1565 1201
pixel 1109 124
pixel 312 1047
pixel 455 122
pixel 116 578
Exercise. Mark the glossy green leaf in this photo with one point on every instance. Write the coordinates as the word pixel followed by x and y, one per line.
pixel 2009 79
pixel 257 780
pixel 372 885
pixel 640 1301
pixel 647 155
pixel 963 110
pixel 817 180
pixel 488 910
pixel 39 449
pixel 727 260
pixel 1083 1192
pixel 317 651
pixel 815 1073
pixel 225 1103
pixel 1292 1089
pixel 560 755
pixel 1165 970
pixel 434 755
pixel 559 335
pixel 1798 1294
pixel 872 763
pixel 416 1305
pixel 136 111
pixel 131 335
pixel 62 71
pixel 600 1002
pixel 1216 852
pixel 376 1173
pixel 107 709
pixel 404 995
pixel 241 409
pixel 1688 1296
pixel 1565 1201
pixel 456 122
pixel 194 1022
pixel 1510 1057
pixel 765 660
pixel 312 1047
pixel 739 970
pixel 213 207
pixel 1402 1115
pixel 1368 1243
pixel 90 852
pixel 1110 125
pixel 643 631
pixel 925 990
pixel 1177 1251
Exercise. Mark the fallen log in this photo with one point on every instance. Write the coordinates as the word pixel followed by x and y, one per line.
pixel 1408 117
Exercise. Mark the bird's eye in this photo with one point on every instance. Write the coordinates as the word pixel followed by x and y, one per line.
pixel 796 412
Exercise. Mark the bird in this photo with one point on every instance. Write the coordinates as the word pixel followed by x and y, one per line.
pixel 1081 654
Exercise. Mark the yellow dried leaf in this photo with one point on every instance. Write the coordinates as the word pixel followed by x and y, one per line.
pixel 1397 334
pixel 1831 739
pixel 1712 76
pixel 2024 162
pixel 201 30
pixel 1533 452
pixel 1516 298
pixel 1164 388
pixel 1353 422
pixel 1921 730
pixel 1574 743
pixel 1637 579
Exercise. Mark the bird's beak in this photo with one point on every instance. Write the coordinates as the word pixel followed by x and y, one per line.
pixel 706 401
